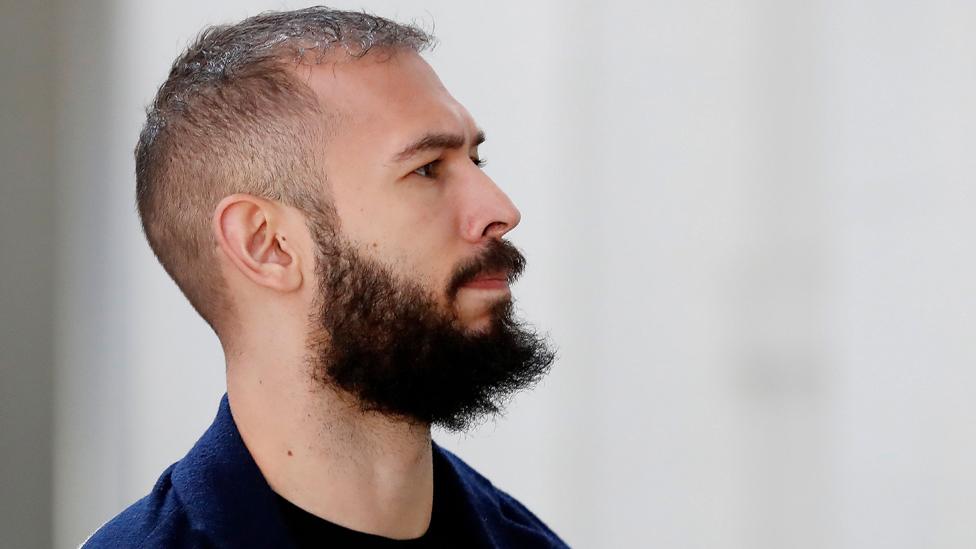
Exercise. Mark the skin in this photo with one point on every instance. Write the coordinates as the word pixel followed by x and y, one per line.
pixel 423 216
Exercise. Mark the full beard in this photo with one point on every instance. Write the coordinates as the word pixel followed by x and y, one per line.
pixel 385 341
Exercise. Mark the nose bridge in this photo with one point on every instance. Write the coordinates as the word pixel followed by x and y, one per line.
pixel 490 212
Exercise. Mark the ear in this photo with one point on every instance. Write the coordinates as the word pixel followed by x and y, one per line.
pixel 251 232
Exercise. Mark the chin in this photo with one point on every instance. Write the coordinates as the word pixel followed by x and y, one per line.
pixel 479 325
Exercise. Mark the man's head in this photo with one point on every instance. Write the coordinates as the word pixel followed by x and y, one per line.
pixel 311 164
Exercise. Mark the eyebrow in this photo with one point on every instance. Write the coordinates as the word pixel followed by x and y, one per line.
pixel 436 141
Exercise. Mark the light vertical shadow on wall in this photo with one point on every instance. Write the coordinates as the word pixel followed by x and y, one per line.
pixel 91 334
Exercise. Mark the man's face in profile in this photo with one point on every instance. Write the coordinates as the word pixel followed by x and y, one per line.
pixel 414 313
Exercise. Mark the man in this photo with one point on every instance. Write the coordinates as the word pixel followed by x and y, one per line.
pixel 317 195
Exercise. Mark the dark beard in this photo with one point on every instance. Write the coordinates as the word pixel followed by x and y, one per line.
pixel 386 342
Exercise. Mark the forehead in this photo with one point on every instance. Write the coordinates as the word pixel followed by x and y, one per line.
pixel 388 97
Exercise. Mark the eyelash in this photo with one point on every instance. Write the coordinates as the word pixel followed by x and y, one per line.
pixel 480 162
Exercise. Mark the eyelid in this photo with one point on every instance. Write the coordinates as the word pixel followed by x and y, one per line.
pixel 477 161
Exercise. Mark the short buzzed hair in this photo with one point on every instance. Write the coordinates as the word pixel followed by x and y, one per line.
pixel 233 118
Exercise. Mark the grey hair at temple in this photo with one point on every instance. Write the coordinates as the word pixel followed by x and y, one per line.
pixel 232 117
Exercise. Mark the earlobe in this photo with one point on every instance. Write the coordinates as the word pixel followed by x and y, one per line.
pixel 250 232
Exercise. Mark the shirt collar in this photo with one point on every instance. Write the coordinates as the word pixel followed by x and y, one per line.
pixel 224 493
pixel 227 498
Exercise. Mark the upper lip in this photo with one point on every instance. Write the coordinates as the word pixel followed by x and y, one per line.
pixel 489 276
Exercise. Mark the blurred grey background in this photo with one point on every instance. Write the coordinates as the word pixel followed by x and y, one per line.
pixel 749 227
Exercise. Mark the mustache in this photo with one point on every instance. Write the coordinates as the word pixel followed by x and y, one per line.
pixel 498 256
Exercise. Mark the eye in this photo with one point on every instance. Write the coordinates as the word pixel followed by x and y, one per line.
pixel 428 169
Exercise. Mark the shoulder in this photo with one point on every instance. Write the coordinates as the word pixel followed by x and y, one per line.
pixel 214 496
pixel 499 511
pixel 157 520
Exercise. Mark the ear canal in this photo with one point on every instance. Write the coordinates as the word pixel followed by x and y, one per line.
pixel 284 257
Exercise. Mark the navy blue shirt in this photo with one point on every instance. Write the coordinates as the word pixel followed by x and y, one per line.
pixel 217 497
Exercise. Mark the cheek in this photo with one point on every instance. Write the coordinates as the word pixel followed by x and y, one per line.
pixel 412 229
pixel 430 255
pixel 422 222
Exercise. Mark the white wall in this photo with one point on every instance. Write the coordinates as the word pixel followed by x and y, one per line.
pixel 749 231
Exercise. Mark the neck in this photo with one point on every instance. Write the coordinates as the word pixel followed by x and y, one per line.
pixel 363 471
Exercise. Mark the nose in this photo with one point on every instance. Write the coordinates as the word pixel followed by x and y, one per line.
pixel 490 212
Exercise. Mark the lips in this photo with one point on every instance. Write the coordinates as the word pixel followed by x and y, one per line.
pixel 488 281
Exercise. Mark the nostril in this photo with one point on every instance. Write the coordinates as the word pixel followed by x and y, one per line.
pixel 498 227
